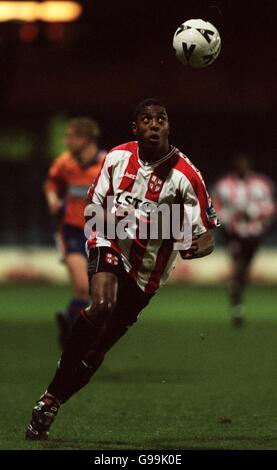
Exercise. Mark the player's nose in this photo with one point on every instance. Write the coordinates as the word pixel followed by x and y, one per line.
pixel 154 124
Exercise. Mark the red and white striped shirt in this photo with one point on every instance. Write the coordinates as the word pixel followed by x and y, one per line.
pixel 173 179
pixel 245 206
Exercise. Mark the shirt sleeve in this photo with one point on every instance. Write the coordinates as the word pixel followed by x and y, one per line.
pixel 55 179
pixel 266 205
pixel 198 205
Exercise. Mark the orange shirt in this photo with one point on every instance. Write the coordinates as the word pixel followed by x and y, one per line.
pixel 70 180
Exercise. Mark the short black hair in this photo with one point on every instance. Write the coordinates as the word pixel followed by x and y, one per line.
pixel 144 104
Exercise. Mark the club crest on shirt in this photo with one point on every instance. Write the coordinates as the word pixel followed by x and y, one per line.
pixel 155 184
pixel 111 259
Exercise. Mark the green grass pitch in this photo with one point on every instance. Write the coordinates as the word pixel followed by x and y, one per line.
pixel 181 378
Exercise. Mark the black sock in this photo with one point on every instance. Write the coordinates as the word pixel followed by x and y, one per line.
pixel 84 333
pixel 236 292
pixel 90 363
pixel 83 373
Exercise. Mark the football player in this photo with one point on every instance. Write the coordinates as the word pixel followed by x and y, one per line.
pixel 125 273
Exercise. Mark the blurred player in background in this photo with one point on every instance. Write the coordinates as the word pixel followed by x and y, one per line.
pixel 244 201
pixel 125 273
pixel 66 192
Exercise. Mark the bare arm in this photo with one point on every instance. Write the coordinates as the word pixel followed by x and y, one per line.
pixel 53 201
pixel 201 246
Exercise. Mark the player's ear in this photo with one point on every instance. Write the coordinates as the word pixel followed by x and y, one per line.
pixel 134 128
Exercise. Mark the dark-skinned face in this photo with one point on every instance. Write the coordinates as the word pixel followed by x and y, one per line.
pixel 242 166
pixel 152 128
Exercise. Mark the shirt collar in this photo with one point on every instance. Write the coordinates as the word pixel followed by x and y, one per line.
pixel 156 163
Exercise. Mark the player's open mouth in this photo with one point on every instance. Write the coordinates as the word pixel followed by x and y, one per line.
pixel 154 137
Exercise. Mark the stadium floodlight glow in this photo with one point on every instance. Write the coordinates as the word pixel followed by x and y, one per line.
pixel 61 11
pixel 50 12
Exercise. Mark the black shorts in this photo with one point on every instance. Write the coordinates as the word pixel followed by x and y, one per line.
pixel 104 259
pixel 241 248
pixel 131 300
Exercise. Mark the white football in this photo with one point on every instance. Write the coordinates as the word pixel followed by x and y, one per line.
pixel 196 43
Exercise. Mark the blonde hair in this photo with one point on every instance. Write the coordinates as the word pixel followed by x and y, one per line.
pixel 86 127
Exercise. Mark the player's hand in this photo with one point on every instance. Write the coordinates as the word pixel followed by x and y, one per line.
pixel 191 252
pixel 55 204
pixel 201 246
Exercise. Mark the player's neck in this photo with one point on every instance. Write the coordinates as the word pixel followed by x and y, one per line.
pixel 243 176
pixel 147 154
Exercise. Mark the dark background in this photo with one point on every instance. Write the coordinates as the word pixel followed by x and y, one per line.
pixel 116 54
